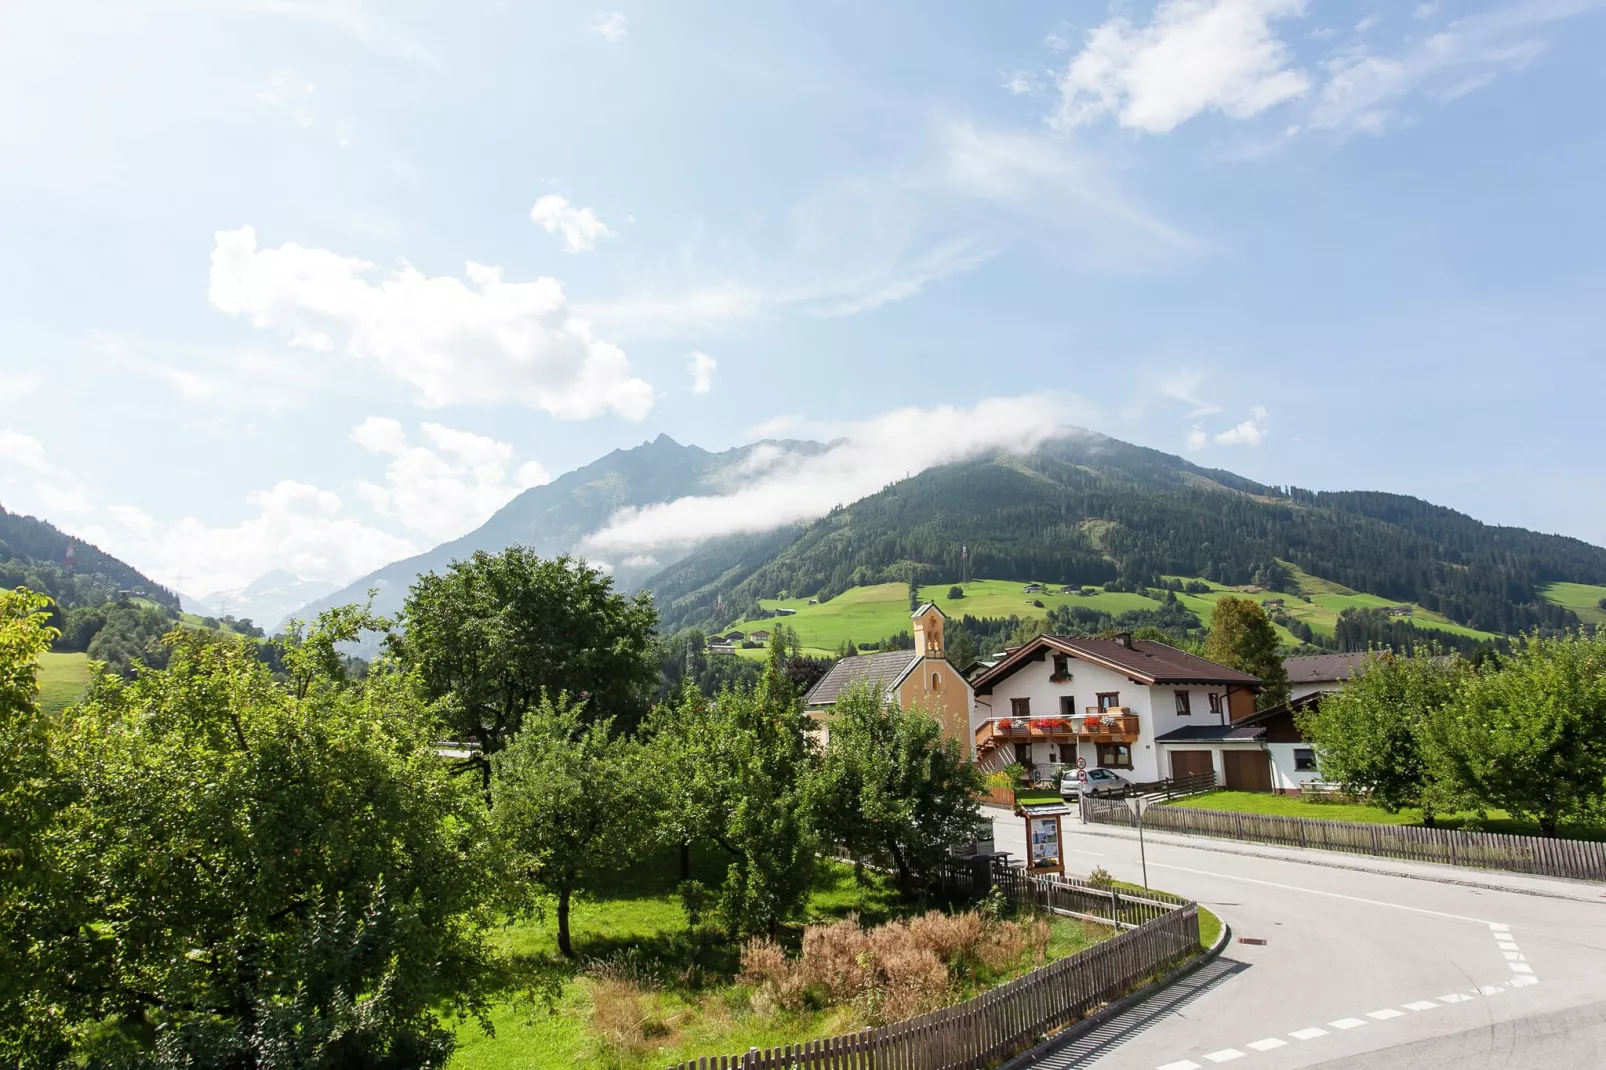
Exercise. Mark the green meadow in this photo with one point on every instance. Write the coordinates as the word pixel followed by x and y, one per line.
pixel 63 679
pixel 1582 598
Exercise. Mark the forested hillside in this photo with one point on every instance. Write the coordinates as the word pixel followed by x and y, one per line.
pixel 1090 509
pixel 33 554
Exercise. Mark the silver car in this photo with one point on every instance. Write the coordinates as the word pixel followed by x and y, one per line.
pixel 1098 782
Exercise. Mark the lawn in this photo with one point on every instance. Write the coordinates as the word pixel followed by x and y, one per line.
pixel 63 678
pixel 638 930
pixel 1582 598
pixel 1250 802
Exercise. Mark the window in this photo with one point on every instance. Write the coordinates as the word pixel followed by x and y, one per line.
pixel 1115 756
pixel 1067 705
pixel 1183 709
pixel 1215 702
pixel 936 682
pixel 1061 665
pixel 1108 699
pixel 1020 707
pixel 1304 759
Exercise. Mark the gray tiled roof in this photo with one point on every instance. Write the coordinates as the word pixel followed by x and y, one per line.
pixel 1212 732
pixel 881 670
pixel 1320 668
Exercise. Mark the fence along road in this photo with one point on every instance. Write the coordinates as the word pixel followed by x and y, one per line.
pixel 1574 859
pixel 997 1024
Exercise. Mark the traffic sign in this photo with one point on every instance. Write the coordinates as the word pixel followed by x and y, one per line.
pixel 1081 763
pixel 1081 774
pixel 1138 804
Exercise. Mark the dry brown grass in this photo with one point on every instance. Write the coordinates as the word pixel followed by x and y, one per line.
pixel 893 971
pixel 627 1010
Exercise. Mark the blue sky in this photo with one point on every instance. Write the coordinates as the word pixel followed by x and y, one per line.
pixel 316 284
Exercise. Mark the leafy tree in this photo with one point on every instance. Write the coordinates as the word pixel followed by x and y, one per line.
pixel 264 880
pixel 891 791
pixel 732 771
pixel 28 984
pixel 955 593
pixel 1375 734
pixel 961 648
pixel 130 635
pixel 565 798
pixel 498 632
pixel 1528 734
pixel 1242 638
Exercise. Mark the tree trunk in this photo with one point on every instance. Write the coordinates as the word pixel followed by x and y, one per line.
pixel 1427 819
pixel 905 878
pixel 685 861
pixel 1547 826
pixel 563 925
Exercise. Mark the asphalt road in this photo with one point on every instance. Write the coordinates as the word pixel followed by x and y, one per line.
pixel 1361 968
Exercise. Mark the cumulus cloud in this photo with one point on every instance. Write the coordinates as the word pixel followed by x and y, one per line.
pixel 31 481
pixel 789 487
pixel 1252 432
pixel 612 26
pixel 580 227
pixel 483 341
pixel 448 487
pixel 1194 56
pixel 701 368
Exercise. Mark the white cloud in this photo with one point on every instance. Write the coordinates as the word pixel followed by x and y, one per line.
pixel 613 26
pixel 481 342
pixel 1019 83
pixel 1364 88
pixel 1427 10
pixel 1197 438
pixel 701 368
pixel 580 227
pixel 865 456
pixel 446 491
pixel 1252 432
pixel 247 379
pixel 1195 55
pixel 1367 23
pixel 1184 386
pixel 30 481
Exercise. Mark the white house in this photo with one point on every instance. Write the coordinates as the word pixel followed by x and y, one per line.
pixel 1321 672
pixel 1113 702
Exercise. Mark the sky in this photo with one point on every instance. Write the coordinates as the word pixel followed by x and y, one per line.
pixel 317 284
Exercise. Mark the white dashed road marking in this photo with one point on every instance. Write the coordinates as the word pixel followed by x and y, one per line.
pixel 1225 1055
pixel 1385 1014
pixel 1422 1005
pixel 1347 1023
pixel 1308 1034
pixel 1268 1044
pixel 1183 1065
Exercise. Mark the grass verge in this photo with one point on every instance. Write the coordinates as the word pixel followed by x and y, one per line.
pixel 1249 802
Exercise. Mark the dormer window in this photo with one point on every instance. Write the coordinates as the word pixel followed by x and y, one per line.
pixel 1062 667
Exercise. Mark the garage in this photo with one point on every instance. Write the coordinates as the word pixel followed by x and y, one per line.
pixel 1190 762
pixel 1246 770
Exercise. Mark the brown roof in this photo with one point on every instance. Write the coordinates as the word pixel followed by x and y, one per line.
pixel 881 670
pixel 1143 660
pixel 1321 668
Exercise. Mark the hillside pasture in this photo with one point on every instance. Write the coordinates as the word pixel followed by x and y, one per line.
pixel 1582 598
pixel 868 614
pixel 63 679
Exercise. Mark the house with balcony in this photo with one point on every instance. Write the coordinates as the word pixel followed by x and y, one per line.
pixel 921 678
pixel 1110 701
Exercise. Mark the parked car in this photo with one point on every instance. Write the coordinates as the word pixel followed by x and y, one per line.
pixel 1098 782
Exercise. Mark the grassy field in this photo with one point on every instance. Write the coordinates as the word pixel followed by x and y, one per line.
pixel 63 679
pixel 867 614
pixel 1249 802
pixel 640 923
pixel 1582 598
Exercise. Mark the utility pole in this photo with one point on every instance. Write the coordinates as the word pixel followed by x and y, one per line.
pixel 1137 804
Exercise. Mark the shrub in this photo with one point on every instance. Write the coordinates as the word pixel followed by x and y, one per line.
pixel 956 592
pixel 1100 878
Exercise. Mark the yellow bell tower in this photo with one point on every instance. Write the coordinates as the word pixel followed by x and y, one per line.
pixel 928 621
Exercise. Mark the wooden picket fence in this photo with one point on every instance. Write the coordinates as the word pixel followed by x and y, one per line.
pixel 989 1028
pixel 1578 859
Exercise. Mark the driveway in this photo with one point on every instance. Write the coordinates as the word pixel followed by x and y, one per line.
pixel 1361 967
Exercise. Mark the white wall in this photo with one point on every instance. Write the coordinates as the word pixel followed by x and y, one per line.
pixel 1301 690
pixel 1155 708
pixel 1284 776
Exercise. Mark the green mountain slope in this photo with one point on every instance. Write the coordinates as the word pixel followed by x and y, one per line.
pixel 33 554
pixel 1090 509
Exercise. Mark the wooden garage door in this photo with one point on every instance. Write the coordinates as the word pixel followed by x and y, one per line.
pixel 1189 762
pixel 1247 770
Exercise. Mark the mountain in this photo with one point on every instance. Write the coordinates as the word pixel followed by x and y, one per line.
pixel 1088 509
pixel 34 554
pixel 554 518
pixel 265 601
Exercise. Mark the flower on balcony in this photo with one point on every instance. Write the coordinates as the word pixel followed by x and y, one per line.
pixel 1050 724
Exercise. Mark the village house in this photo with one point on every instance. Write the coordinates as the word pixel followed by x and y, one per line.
pixel 921 678
pixel 1117 703
pixel 1321 672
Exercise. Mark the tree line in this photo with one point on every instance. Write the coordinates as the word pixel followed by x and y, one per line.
pixel 231 862
pixel 1523 732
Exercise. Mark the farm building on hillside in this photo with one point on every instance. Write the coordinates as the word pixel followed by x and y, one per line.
pixel 922 677
pixel 1112 702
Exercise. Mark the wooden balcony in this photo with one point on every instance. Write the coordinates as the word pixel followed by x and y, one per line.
pixel 1115 725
